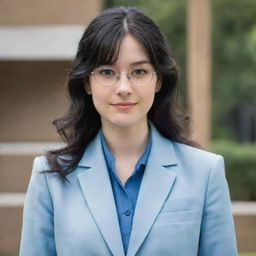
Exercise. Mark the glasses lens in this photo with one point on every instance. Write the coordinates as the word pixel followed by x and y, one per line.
pixel 141 76
pixel 105 76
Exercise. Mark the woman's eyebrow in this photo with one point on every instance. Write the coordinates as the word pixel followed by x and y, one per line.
pixel 140 62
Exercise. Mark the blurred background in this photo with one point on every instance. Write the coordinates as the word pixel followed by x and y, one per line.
pixel 214 43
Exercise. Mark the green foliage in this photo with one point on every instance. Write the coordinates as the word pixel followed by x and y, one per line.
pixel 240 164
pixel 234 58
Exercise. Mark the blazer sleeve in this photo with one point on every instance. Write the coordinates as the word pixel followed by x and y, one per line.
pixel 217 235
pixel 37 236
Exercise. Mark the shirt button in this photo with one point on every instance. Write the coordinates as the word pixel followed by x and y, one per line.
pixel 128 212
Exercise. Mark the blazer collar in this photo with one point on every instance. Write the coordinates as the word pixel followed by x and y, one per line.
pixel 162 148
pixel 157 183
pixel 97 190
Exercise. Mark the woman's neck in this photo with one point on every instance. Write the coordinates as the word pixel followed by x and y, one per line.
pixel 126 142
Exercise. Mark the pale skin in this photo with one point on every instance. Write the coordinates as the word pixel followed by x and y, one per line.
pixel 125 130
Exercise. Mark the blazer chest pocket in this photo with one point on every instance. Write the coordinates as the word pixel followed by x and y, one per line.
pixel 180 210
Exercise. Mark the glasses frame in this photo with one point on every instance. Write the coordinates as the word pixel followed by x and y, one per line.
pixel 118 76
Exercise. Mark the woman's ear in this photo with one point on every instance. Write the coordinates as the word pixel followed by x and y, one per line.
pixel 158 85
pixel 87 88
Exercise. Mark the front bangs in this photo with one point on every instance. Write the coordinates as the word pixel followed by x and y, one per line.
pixel 107 47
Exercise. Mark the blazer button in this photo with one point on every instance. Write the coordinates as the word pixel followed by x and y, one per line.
pixel 128 212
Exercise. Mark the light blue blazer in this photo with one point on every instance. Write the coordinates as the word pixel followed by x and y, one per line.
pixel 183 207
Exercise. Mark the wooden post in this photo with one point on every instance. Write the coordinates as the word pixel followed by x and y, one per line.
pixel 199 69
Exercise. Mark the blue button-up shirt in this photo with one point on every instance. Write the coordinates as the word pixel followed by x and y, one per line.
pixel 126 195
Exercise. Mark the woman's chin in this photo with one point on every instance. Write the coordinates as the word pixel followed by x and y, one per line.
pixel 124 123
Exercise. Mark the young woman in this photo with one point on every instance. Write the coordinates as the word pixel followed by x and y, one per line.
pixel 128 181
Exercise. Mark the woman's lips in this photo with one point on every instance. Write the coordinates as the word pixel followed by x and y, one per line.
pixel 124 105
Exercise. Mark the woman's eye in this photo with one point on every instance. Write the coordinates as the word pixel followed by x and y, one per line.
pixel 106 72
pixel 139 72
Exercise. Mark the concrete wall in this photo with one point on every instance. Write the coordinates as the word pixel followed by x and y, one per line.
pixel 34 12
pixel 32 94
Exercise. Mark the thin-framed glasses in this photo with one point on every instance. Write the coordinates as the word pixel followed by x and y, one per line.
pixel 139 76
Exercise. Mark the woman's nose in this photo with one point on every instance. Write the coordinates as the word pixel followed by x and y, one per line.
pixel 123 85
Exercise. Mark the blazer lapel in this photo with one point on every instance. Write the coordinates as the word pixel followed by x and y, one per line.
pixel 156 185
pixel 97 190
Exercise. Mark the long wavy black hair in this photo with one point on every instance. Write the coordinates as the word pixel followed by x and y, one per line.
pixel 100 45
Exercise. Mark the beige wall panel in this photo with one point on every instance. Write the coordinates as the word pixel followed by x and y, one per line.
pixel 246 233
pixel 26 12
pixel 199 68
pixel 32 94
pixel 10 231
pixel 15 172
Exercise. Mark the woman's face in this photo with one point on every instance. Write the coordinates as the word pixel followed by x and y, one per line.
pixel 124 104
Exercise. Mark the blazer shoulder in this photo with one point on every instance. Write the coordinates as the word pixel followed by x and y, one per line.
pixel 196 154
pixel 40 163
